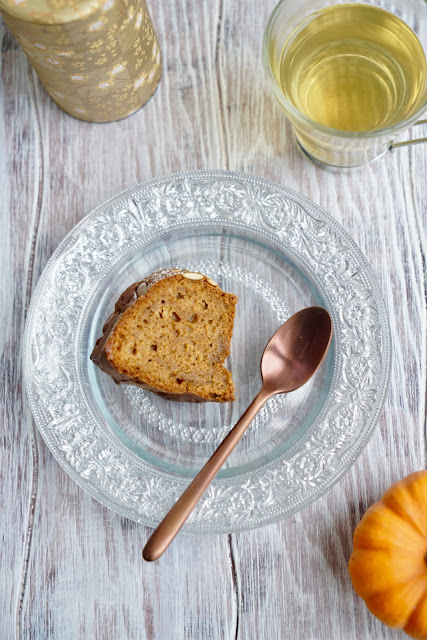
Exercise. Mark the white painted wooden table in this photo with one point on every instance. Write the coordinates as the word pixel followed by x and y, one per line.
pixel 70 568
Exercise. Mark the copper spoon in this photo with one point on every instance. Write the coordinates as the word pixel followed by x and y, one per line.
pixel 289 360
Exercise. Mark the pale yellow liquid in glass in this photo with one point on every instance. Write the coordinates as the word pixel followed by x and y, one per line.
pixel 354 67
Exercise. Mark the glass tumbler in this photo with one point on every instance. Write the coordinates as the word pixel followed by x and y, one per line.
pixel 326 145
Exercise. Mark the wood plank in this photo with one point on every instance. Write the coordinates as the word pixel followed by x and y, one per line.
pixel 19 213
pixel 86 577
pixel 78 566
pixel 294 573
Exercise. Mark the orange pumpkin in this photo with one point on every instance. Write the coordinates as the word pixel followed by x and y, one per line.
pixel 388 566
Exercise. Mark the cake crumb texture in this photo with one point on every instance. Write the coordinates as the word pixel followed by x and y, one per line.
pixel 175 337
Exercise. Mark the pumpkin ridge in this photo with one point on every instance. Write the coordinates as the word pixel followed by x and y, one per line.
pixel 394 499
pixel 396 618
pixel 396 585
pixel 412 625
pixel 406 519
pixel 380 512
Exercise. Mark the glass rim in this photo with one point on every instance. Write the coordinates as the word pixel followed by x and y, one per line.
pixel 401 126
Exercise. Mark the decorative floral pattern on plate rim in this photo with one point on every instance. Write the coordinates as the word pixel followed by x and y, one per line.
pixel 96 460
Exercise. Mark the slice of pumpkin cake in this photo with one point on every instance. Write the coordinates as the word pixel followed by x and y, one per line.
pixel 170 333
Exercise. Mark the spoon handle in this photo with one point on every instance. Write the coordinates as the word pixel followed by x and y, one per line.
pixel 175 518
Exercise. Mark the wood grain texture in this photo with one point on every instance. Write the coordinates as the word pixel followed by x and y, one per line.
pixel 72 569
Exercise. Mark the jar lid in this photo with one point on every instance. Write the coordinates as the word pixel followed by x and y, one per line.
pixel 52 11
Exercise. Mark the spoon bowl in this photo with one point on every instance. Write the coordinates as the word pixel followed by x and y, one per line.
pixel 290 358
pixel 296 350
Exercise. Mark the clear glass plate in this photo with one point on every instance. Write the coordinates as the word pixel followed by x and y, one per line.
pixel 136 452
